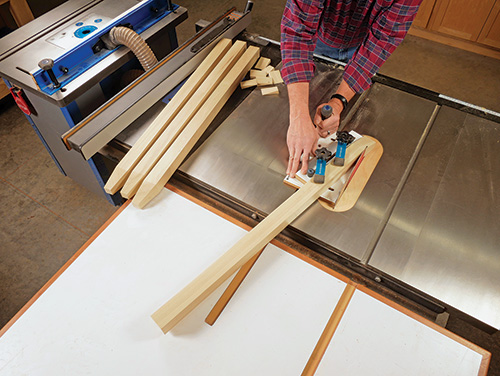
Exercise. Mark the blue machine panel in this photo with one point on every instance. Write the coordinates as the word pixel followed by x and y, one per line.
pixel 80 38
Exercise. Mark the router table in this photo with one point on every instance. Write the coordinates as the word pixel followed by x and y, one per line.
pixel 427 225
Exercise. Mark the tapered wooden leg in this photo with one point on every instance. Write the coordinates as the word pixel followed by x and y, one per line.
pixel 231 289
pixel 326 336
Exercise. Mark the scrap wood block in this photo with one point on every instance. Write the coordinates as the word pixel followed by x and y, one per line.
pixel 208 281
pixel 264 81
pixel 262 63
pixel 276 76
pixel 268 69
pixel 248 83
pixel 176 126
pixel 171 160
pixel 270 90
pixel 134 155
pixel 256 73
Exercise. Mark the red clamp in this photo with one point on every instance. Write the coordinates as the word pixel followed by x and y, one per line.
pixel 20 100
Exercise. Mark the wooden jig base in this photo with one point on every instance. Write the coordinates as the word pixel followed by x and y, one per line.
pixel 351 185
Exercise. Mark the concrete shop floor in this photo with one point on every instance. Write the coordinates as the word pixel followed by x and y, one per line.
pixel 46 217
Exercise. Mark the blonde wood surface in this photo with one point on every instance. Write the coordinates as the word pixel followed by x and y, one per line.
pixel 329 331
pixel 348 198
pixel 173 157
pixel 20 11
pixel 254 73
pixel 4 90
pixel 182 118
pixel 231 289
pixel 461 18
pixel 490 34
pixel 195 292
pixel 262 63
pixel 248 83
pixel 270 90
pixel 130 160
pixel 268 69
pixel 454 42
pixel 264 81
pixel 424 13
pixel 276 76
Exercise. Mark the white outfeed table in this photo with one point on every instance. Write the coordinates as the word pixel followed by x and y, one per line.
pixel 93 318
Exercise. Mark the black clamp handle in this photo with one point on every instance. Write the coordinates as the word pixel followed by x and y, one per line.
pixel 47 65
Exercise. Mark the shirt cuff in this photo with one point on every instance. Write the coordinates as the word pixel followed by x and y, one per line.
pixel 293 72
pixel 357 79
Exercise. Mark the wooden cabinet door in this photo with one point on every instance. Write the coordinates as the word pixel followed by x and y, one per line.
pixel 424 14
pixel 461 18
pixel 490 34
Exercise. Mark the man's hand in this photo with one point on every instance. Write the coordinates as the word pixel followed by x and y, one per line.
pixel 302 140
pixel 330 125
pixel 302 136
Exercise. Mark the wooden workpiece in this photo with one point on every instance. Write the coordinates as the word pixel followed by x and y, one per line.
pixel 262 63
pixel 171 160
pixel 276 76
pixel 331 326
pixel 231 289
pixel 256 73
pixel 264 81
pixel 176 126
pixel 248 83
pixel 270 90
pixel 134 155
pixel 195 292
pixel 268 69
pixel 350 195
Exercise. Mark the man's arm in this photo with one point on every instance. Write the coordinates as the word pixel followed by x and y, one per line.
pixel 388 28
pixel 302 136
pixel 330 125
pixel 298 40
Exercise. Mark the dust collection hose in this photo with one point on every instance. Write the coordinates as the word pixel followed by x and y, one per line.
pixel 129 38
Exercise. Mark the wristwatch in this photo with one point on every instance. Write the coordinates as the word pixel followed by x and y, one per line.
pixel 340 98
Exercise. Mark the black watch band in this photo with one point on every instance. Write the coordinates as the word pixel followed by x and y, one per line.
pixel 340 98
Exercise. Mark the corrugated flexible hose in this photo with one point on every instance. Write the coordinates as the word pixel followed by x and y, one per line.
pixel 129 38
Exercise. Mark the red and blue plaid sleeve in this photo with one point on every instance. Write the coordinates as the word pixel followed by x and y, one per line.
pixel 298 39
pixel 388 28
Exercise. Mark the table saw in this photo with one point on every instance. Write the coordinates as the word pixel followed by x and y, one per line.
pixel 427 225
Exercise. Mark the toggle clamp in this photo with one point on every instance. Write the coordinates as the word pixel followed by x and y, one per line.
pixel 322 156
pixel 343 139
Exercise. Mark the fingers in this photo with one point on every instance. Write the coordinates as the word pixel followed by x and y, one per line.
pixel 305 165
pixel 293 163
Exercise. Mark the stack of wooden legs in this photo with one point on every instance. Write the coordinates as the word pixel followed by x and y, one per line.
pixel 148 166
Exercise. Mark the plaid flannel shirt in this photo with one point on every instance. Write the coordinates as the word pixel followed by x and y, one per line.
pixel 376 26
